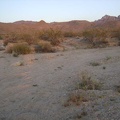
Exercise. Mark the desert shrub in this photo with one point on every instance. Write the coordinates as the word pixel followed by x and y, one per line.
pixel 69 34
pixel 96 37
pixel 19 48
pixel 52 35
pixel 87 83
pixel 1 37
pixel 9 48
pixel 95 33
pixel 29 38
pixel 115 33
pixel 76 98
pixel 45 46
pixel 10 38
pixel 5 42
pixel 88 35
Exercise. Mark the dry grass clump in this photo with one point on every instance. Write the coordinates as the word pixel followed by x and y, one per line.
pixel 117 88
pixel 76 99
pixel 87 83
pixel 45 46
pixel 19 48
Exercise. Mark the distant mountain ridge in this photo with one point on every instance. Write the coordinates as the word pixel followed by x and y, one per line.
pixel 74 25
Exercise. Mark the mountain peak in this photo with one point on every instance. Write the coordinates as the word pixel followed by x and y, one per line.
pixel 42 22
pixel 119 17
pixel 108 18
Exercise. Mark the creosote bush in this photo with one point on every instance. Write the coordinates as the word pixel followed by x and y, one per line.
pixel 52 35
pixel 97 37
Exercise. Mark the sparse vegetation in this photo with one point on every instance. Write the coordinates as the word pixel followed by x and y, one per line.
pixel 29 38
pixel 76 98
pixel 97 37
pixel 81 93
pixel 87 83
pixel 70 34
pixel 52 35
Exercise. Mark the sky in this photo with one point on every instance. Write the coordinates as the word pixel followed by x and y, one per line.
pixel 57 10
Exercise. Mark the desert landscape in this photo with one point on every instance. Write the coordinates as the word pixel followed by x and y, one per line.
pixel 60 71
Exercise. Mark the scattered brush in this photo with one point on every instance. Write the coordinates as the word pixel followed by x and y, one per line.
pixel 87 83
pixel 54 36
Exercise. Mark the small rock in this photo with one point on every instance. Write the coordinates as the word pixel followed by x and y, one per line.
pixel 19 63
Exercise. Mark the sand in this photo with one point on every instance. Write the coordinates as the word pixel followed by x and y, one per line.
pixel 36 86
